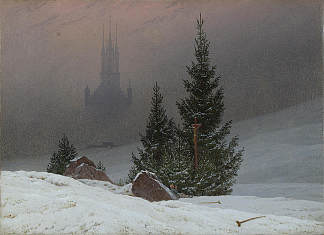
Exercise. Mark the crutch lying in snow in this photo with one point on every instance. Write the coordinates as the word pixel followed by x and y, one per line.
pixel 243 221
pixel 218 202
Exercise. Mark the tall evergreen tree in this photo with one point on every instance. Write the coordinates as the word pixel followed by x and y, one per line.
pixel 60 159
pixel 159 135
pixel 205 96
pixel 219 161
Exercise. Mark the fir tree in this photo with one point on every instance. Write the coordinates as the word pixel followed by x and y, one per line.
pixel 159 128
pixel 205 100
pixel 219 161
pixel 159 135
pixel 60 159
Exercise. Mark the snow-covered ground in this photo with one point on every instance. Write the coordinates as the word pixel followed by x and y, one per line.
pixel 38 202
pixel 283 147
pixel 302 191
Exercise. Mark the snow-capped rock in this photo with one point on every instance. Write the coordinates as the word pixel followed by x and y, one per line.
pixel 149 187
pixel 83 168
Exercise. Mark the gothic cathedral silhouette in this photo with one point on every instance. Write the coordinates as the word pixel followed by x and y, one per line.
pixel 108 98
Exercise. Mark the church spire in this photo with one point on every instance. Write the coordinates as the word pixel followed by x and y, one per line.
pixel 103 40
pixel 110 41
pixel 116 53
pixel 116 37
pixel 110 50
pixel 103 54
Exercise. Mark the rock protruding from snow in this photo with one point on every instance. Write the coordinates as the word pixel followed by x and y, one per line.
pixel 83 168
pixel 84 160
pixel 146 185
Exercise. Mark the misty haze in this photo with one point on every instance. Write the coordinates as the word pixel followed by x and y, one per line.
pixel 89 71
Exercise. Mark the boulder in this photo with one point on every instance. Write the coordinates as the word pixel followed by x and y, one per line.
pixel 79 161
pixel 83 168
pixel 146 185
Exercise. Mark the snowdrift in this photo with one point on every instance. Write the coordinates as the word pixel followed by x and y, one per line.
pixel 38 202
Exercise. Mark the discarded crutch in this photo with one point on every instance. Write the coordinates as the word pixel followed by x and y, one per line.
pixel 243 221
pixel 218 202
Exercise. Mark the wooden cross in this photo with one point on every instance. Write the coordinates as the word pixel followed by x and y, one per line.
pixel 196 126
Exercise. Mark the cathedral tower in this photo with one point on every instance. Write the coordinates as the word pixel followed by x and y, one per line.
pixel 108 96
pixel 110 76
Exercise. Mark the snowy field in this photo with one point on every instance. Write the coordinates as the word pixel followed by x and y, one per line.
pixel 281 178
pixel 283 147
pixel 38 202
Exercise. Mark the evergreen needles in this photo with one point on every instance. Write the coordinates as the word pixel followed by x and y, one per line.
pixel 60 159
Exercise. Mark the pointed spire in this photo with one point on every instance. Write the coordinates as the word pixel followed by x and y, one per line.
pixel 103 35
pixel 109 51
pixel 103 54
pixel 103 39
pixel 110 42
pixel 116 38
pixel 109 25
pixel 116 53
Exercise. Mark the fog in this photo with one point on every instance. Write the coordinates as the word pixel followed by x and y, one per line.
pixel 268 54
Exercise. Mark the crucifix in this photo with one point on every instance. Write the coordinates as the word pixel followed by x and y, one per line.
pixel 195 127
